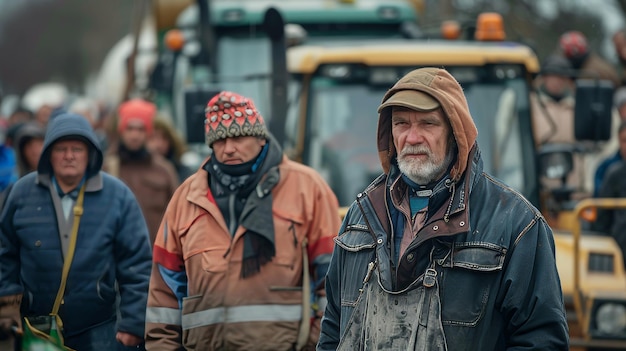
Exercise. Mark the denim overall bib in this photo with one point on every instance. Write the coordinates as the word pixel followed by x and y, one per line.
pixel 409 319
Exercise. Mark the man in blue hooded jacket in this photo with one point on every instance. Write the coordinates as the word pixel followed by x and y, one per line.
pixel 112 246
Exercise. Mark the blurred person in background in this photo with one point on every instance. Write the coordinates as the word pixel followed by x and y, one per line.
pixel 90 109
pixel 28 146
pixel 166 141
pixel 151 177
pixel 613 185
pixel 87 108
pixel 42 99
pixel 552 105
pixel 587 63
pixel 8 163
pixel 20 115
pixel 17 119
pixel 619 101
pixel 553 102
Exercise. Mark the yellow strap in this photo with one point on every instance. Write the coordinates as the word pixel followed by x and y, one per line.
pixel 78 211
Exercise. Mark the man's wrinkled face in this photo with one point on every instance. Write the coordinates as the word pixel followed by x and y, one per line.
pixel 135 135
pixel 422 142
pixel 69 159
pixel 237 150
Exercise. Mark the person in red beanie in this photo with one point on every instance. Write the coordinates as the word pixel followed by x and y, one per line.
pixel 232 256
pixel 151 177
pixel 575 48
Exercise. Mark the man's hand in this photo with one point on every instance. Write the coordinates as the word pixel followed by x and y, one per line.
pixel 128 339
pixel 7 326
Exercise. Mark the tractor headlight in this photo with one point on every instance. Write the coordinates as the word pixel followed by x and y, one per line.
pixel 609 320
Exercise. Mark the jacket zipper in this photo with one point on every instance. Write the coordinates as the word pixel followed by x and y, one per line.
pixel 393 236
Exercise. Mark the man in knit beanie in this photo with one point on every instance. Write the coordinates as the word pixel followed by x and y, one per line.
pixel 151 177
pixel 231 115
pixel 239 236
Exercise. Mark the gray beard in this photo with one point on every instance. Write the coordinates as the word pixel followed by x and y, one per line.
pixel 428 171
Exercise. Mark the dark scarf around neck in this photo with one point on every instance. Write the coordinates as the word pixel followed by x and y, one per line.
pixel 256 215
pixel 127 155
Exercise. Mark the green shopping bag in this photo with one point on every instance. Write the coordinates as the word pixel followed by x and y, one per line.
pixel 34 339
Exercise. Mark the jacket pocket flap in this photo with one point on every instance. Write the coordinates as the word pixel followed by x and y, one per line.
pixel 356 238
pixel 477 256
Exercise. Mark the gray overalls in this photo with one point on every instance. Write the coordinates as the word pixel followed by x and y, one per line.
pixel 409 319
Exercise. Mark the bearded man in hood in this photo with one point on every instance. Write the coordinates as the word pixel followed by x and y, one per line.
pixel 435 254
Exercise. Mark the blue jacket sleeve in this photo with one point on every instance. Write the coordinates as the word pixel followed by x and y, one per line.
pixel 133 255
pixel 530 295
pixel 330 326
pixel 9 251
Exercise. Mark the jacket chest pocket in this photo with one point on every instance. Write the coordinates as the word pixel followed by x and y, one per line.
pixel 288 236
pixel 470 272
pixel 357 249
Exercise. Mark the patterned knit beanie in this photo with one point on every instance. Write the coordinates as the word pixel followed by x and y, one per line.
pixel 231 115
pixel 137 109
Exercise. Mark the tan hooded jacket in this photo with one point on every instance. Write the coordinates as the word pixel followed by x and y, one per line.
pixel 439 84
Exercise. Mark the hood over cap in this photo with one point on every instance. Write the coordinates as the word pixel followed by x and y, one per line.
pixel 426 89
pixel 71 126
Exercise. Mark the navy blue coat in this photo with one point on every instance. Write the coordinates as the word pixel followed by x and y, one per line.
pixel 112 245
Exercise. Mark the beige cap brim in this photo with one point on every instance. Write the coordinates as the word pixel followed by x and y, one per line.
pixel 413 99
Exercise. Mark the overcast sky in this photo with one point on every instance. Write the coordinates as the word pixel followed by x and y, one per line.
pixel 610 12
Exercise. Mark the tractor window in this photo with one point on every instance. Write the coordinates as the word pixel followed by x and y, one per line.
pixel 342 124
pixel 499 135
pixel 245 67
pixel 342 138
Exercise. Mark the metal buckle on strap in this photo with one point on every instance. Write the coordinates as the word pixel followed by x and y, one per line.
pixel 370 269
pixel 430 277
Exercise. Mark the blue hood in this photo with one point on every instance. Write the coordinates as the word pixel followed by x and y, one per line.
pixel 70 126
